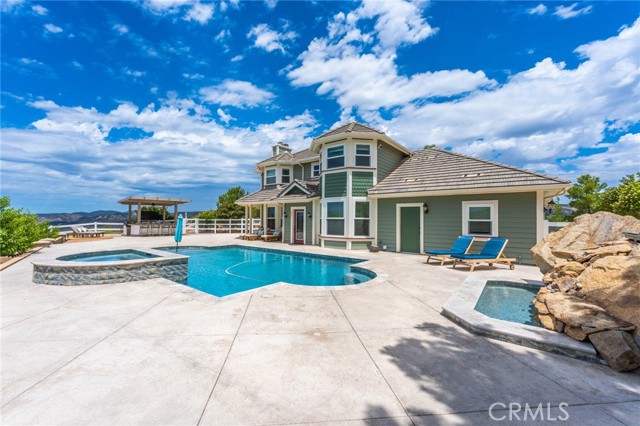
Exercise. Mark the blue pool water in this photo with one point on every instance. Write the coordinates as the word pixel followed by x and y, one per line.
pixel 227 270
pixel 108 256
pixel 509 302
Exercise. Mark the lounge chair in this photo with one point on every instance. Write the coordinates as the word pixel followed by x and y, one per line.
pixel 491 253
pixel 460 246
pixel 276 236
pixel 254 235
pixel 82 232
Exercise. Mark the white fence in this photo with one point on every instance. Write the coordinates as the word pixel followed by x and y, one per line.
pixel 108 227
pixel 219 226
pixel 553 226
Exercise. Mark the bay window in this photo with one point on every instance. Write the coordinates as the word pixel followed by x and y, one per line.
pixel 270 177
pixel 363 156
pixel 335 218
pixel 335 157
pixel 361 219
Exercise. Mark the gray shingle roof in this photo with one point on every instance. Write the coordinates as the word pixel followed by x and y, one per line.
pixel 350 127
pixel 305 154
pixel 273 193
pixel 435 169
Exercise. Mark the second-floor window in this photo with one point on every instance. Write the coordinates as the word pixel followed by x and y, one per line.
pixel 315 172
pixel 270 177
pixel 335 157
pixel 286 175
pixel 363 156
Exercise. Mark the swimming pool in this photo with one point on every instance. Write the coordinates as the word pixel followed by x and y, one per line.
pixel 222 271
pixel 108 256
pixel 509 302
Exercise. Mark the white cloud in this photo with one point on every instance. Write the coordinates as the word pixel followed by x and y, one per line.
pixel 539 115
pixel 133 73
pixel 236 93
pixel 120 28
pixel 77 65
pixel 67 150
pixel 222 35
pixel 271 3
pixel 9 5
pixel 237 58
pixel 540 9
pixel 53 28
pixel 39 10
pixel 154 90
pixel 164 5
pixel 200 12
pixel 568 12
pixel 359 68
pixel 270 40
pixel 224 117
pixel 193 76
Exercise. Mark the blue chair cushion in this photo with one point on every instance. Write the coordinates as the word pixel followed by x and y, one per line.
pixel 459 246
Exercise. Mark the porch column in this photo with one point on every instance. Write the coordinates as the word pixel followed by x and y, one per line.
pixel 129 213
pixel 139 212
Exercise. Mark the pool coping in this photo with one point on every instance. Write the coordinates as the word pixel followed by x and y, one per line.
pixel 460 308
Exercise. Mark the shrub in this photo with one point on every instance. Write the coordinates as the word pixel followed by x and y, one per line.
pixel 19 229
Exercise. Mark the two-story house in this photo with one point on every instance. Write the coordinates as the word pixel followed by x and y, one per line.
pixel 356 186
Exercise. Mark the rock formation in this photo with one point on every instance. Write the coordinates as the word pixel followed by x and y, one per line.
pixel 592 292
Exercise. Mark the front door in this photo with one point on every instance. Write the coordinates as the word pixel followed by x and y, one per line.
pixel 410 229
pixel 298 227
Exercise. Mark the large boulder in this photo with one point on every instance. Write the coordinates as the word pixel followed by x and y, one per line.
pixel 586 232
pixel 613 283
pixel 576 312
pixel 617 348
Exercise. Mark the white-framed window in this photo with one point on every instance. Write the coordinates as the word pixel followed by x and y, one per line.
pixel 361 219
pixel 270 177
pixel 315 170
pixel 363 155
pixel 335 218
pixel 335 157
pixel 286 176
pixel 480 218
pixel 271 217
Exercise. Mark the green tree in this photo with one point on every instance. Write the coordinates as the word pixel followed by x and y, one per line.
pixel 557 215
pixel 20 229
pixel 623 199
pixel 226 207
pixel 585 194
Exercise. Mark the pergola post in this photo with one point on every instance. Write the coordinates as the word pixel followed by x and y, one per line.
pixel 129 213
pixel 139 212
pixel 164 214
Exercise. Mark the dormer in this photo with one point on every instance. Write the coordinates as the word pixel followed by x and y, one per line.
pixel 279 148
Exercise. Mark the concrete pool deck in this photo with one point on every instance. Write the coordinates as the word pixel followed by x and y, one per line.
pixel 157 352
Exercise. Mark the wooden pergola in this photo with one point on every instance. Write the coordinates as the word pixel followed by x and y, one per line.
pixel 141 228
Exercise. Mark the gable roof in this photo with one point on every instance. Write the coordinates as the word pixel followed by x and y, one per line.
pixel 309 189
pixel 434 169
pixel 350 127
pixel 300 156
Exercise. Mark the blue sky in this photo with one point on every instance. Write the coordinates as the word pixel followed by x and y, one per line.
pixel 102 100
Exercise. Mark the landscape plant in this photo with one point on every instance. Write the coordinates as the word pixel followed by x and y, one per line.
pixel 19 229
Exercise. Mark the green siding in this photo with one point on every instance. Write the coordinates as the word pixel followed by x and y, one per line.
pixel 335 244
pixel 308 225
pixel 307 171
pixel 298 172
pixel 335 185
pixel 388 159
pixel 359 245
pixel 443 223
pixel 360 183
pixel 295 191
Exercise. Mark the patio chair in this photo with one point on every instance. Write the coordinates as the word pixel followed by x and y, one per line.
pixel 82 232
pixel 491 253
pixel 276 236
pixel 254 235
pixel 460 246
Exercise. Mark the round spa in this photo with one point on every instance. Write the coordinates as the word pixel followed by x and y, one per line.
pixel 110 267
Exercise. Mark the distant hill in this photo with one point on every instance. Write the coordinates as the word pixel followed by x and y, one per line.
pixel 109 216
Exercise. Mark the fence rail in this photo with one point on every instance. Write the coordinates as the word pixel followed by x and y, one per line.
pixel 220 226
pixel 111 227
pixel 191 225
